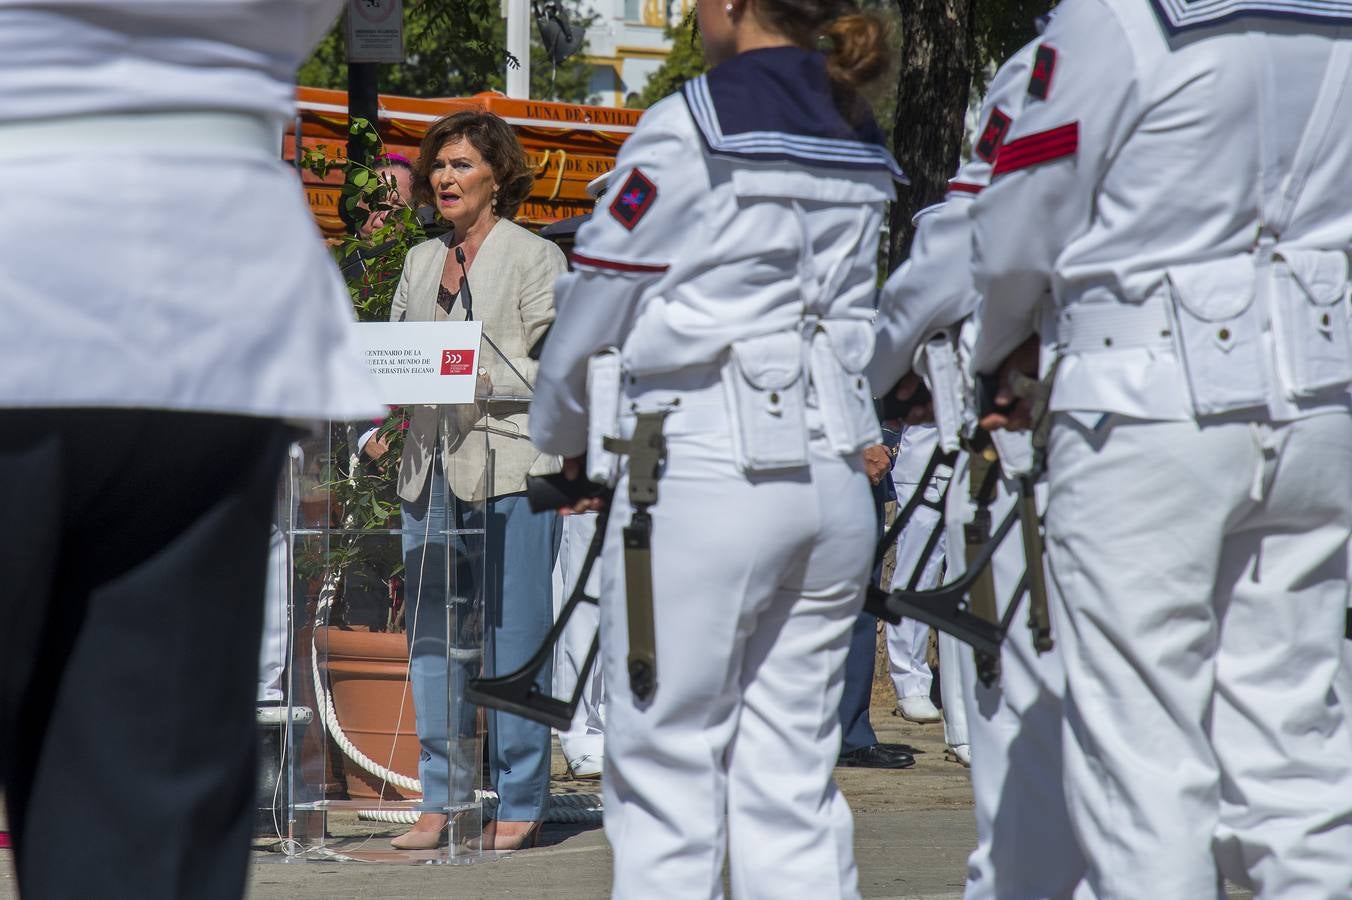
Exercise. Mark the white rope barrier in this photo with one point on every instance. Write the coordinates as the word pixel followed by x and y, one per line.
pixel 329 716
pixel 568 809
pixel 564 809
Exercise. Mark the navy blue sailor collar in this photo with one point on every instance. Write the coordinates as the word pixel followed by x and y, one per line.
pixel 1184 15
pixel 775 104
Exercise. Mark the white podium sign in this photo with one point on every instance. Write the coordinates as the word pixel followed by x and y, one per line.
pixel 422 362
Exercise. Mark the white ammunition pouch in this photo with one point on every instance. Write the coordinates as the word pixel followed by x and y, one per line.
pixel 1224 307
pixel 838 352
pixel 603 414
pixel 936 360
pixel 767 380
pixel 1015 449
pixel 1247 328
pixel 767 401
pixel 1312 306
pixel 1220 333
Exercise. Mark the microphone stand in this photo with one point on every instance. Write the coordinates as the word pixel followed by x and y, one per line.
pixel 468 299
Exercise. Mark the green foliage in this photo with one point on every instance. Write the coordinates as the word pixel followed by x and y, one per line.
pixel 1000 27
pixel 882 93
pixel 455 49
pixel 684 62
pixel 371 283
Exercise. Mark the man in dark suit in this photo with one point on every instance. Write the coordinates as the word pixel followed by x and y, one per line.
pixel 859 746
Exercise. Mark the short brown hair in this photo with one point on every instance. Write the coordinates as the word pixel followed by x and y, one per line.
pixel 496 143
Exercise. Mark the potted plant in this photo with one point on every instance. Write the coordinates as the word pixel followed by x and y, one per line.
pixel 355 658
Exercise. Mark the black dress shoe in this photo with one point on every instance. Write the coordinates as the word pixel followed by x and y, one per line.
pixel 876 756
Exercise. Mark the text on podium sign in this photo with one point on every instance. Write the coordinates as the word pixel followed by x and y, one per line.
pixel 422 362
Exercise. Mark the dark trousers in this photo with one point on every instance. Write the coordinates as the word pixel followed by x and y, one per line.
pixel 132 558
pixel 856 730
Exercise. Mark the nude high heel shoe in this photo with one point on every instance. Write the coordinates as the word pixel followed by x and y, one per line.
pixel 424 835
pixel 491 839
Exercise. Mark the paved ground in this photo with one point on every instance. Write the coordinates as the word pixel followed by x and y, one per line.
pixel 913 830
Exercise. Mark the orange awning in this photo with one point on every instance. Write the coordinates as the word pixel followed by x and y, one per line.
pixel 568 144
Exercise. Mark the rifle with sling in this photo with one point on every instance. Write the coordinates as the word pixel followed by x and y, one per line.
pixel 517 692
pixel 966 608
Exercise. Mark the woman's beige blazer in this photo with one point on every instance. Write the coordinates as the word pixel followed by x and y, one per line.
pixel 512 285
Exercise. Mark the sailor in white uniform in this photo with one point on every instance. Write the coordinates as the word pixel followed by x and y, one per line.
pixel 166 304
pixel 1178 180
pixel 1025 846
pixel 908 640
pixel 733 264
pixel 583 744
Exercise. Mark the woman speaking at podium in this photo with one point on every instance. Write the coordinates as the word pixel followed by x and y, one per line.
pixel 473 170
pixel 732 262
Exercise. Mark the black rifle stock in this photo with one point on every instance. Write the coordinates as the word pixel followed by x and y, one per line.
pixel 517 692
pixel 949 607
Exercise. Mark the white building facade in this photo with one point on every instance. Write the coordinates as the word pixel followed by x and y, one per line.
pixel 626 45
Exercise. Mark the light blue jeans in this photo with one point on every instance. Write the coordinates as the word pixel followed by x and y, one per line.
pixel 500 598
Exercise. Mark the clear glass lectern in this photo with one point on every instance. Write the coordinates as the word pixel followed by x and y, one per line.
pixel 385 627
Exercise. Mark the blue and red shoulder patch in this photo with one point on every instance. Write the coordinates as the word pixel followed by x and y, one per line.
pixel 633 200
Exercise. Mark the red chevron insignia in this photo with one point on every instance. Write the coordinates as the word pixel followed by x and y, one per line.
pixel 1035 149
pixel 596 262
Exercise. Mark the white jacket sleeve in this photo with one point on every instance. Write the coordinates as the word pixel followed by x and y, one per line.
pixel 1077 110
pixel 933 289
pixel 621 260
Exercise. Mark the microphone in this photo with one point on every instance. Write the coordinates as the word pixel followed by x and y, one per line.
pixel 464 285
pixel 469 317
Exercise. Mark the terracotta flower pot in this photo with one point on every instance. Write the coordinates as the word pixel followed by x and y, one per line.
pixel 367 674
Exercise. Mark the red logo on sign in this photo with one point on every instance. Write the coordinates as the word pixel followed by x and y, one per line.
pixel 457 362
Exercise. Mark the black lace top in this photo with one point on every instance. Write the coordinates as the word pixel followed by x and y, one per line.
pixel 446 298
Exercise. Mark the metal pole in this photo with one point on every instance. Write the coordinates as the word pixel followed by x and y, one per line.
pixel 518 44
pixel 363 99
pixel 363 93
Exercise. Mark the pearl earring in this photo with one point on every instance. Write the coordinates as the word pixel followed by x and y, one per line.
pixel 728 7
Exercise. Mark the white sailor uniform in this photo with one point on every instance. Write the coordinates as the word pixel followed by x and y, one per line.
pixel 1025 846
pixel 733 262
pixel 908 640
pixel 1178 179
pixel 583 744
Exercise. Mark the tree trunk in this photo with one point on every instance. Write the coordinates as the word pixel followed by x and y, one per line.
pixel 933 84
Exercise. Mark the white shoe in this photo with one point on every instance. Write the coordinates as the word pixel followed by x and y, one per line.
pixel 918 709
pixel 588 765
pixel 274 714
pixel 959 753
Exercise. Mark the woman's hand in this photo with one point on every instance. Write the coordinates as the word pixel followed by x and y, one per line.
pixel 572 470
pixel 376 447
pixel 483 388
